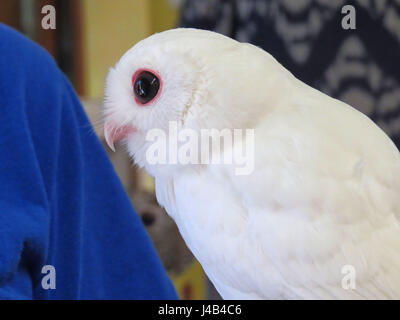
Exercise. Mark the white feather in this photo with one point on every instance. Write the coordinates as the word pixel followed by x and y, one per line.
pixel 325 191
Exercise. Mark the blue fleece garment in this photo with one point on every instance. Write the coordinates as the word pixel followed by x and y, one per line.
pixel 61 203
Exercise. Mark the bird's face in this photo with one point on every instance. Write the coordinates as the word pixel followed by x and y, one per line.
pixel 194 78
pixel 155 82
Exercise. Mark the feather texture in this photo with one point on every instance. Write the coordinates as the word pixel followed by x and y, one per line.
pixel 325 191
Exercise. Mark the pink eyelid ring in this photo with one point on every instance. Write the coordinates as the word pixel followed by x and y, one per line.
pixel 138 71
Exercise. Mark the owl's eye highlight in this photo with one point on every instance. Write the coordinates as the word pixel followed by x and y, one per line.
pixel 145 86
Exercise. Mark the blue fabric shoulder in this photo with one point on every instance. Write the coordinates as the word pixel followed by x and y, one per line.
pixel 61 203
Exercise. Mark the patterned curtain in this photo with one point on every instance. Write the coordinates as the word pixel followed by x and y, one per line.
pixel 359 66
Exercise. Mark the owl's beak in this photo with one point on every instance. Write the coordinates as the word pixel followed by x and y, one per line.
pixel 114 133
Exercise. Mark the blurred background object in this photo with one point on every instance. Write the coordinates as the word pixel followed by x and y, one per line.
pixel 359 66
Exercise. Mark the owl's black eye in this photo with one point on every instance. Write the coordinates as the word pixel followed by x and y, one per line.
pixel 145 86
